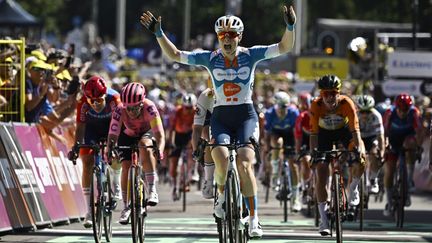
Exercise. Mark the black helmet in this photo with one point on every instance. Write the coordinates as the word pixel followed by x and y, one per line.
pixel 329 82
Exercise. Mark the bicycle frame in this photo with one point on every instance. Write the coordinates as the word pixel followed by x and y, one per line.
pixel 101 203
pixel 401 186
pixel 232 227
pixel 338 201
pixel 136 191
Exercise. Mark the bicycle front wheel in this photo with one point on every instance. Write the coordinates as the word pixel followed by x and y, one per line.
pixel 133 203
pixel 96 206
pixel 142 210
pixel 107 210
pixel 337 196
pixel 403 190
pixel 232 208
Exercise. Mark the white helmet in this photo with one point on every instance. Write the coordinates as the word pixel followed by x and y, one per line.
pixel 189 100
pixel 282 98
pixel 229 23
pixel 365 102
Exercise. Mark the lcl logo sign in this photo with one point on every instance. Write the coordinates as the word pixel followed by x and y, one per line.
pixel 323 65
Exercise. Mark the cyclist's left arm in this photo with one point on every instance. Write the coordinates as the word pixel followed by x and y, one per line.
pixel 417 124
pixel 353 123
pixel 156 125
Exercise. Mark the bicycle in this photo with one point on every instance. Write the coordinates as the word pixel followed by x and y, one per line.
pixel 309 190
pixel 338 201
pixel 232 228
pixel 101 197
pixel 136 192
pixel 183 167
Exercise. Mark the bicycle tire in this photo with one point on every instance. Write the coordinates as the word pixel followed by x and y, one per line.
pixel 362 201
pixel 231 205
pixel 337 212
pixel 95 205
pixel 184 185
pixel 133 203
pixel 284 196
pixel 141 205
pixel 403 190
pixel 107 211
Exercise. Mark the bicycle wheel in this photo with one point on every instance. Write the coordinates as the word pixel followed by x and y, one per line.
pixel 95 205
pixel 403 190
pixel 184 185
pixel 133 203
pixel 362 200
pixel 232 210
pixel 284 196
pixel 337 212
pixel 108 201
pixel 142 209
pixel 222 230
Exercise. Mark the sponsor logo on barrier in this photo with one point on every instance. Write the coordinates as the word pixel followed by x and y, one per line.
pixel 410 64
pixel 45 177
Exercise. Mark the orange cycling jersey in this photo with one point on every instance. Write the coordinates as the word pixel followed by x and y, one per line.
pixel 183 119
pixel 343 115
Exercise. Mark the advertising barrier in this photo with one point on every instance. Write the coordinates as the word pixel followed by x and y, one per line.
pixel 66 193
pixel 73 176
pixel 24 175
pixel 45 176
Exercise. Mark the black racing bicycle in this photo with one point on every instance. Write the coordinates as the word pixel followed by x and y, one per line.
pixel 101 196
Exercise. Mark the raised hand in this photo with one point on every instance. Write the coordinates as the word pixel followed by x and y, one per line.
pixel 289 17
pixel 151 23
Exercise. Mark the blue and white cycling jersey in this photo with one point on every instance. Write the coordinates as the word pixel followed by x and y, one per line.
pixel 274 122
pixel 233 81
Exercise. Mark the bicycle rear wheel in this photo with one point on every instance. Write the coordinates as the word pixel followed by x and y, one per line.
pixel 362 200
pixel 96 194
pixel 133 187
pixel 107 210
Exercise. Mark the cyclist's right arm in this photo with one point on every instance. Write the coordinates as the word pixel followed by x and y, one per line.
pixel 114 129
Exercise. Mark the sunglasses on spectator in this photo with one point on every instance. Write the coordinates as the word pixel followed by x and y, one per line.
pixel 327 93
pixel 222 35
pixel 98 100
pixel 135 108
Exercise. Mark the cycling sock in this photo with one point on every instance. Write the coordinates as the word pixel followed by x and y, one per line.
pixel 354 183
pixel 321 209
pixel 150 179
pixel 389 194
pixel 86 192
pixel 116 178
pixel 252 205
pixel 209 168
pixel 275 167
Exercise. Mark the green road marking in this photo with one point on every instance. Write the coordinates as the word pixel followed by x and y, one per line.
pixel 72 239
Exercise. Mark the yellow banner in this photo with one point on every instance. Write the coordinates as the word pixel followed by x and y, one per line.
pixel 315 67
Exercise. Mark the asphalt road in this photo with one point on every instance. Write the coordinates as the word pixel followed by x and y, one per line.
pixel 167 223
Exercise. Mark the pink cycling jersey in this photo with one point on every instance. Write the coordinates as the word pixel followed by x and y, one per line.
pixel 149 119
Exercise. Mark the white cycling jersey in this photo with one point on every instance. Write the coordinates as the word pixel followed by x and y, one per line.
pixel 371 123
pixel 204 105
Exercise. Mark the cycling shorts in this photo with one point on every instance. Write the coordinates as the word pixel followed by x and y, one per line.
pixel 326 138
pixel 93 134
pixel 288 139
pixel 370 142
pixel 126 140
pixel 238 122
pixel 181 140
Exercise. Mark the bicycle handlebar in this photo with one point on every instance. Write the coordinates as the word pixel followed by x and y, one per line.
pixel 235 146
pixel 136 147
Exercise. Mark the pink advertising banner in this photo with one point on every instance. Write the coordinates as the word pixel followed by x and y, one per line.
pixel 5 224
pixel 47 179
pixel 73 177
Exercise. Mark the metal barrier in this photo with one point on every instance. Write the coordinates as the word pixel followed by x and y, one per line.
pixel 14 90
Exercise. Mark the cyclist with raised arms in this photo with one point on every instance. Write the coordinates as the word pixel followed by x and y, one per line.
pixel 234 118
pixel 135 121
pixel 402 126
pixel 180 136
pixel 200 130
pixel 334 120
pixel 93 117
pixel 279 133
pixel 301 133
pixel 372 133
